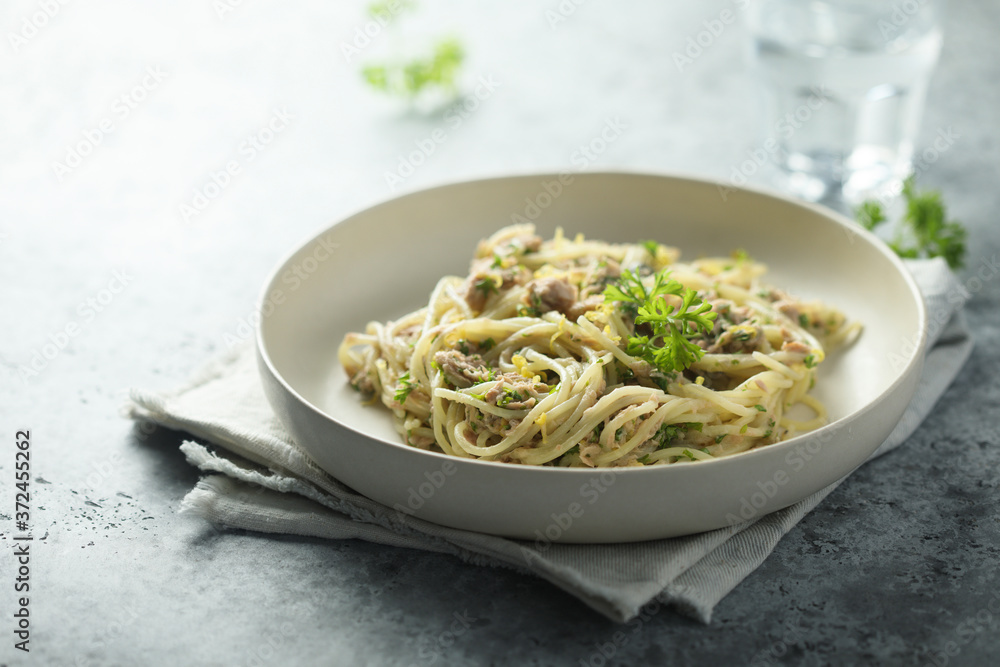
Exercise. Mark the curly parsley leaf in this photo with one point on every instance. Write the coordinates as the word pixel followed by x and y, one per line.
pixel 669 348
pixel 628 289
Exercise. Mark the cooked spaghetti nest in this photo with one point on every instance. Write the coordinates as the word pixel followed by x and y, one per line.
pixel 526 361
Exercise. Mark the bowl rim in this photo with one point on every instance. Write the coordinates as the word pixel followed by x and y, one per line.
pixel 826 431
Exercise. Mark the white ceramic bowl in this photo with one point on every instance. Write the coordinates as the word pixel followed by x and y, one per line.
pixel 384 261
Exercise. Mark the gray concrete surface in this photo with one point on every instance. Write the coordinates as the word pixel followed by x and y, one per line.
pixel 898 566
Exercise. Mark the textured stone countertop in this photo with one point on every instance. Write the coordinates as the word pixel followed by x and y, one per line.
pixel 100 261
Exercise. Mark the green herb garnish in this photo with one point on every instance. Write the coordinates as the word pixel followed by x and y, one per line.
pixel 669 348
pixel 667 433
pixel 405 387
pixel 385 7
pixel 509 396
pixel 486 285
pixel 439 70
pixel 528 311
pixel 924 231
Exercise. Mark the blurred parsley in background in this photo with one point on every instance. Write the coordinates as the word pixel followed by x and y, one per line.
pixel 924 230
pixel 436 69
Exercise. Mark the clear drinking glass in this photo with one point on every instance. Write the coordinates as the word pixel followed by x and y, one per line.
pixel 844 84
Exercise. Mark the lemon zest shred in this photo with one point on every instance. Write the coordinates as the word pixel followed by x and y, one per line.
pixel 521 364
pixel 559 332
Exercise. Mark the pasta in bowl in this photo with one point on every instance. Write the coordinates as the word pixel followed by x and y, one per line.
pixel 582 353
pixel 635 467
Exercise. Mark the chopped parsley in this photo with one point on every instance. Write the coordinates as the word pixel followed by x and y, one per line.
pixel 486 285
pixel 803 320
pixel 509 396
pixel 651 247
pixel 661 381
pixel 487 345
pixel 575 449
pixel 810 361
pixel 760 408
pixel 404 388
pixel 667 433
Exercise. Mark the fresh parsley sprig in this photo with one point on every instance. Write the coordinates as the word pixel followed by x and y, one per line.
pixel 669 348
pixel 925 230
